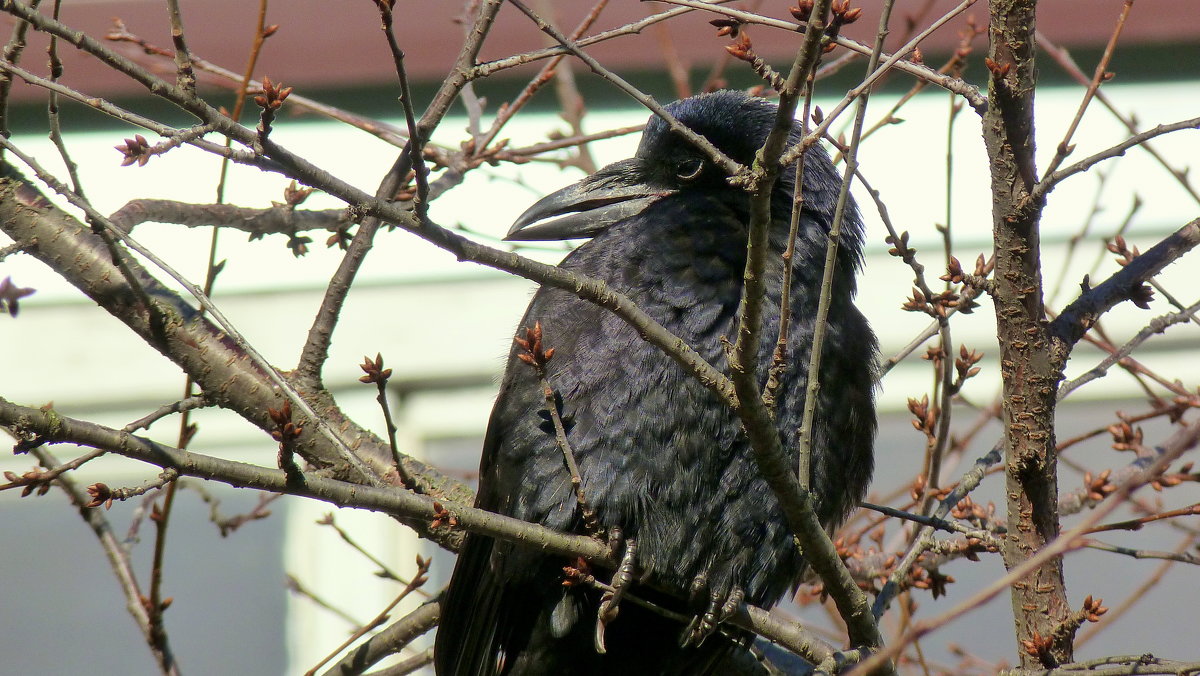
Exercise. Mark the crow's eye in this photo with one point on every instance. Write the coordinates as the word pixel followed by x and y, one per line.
pixel 689 170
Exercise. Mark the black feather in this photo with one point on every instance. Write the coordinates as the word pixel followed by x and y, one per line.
pixel 659 455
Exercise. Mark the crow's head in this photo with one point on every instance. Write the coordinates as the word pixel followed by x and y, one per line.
pixel 667 164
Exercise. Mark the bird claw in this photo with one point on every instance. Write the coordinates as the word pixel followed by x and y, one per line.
pixel 616 538
pixel 611 599
pixel 719 609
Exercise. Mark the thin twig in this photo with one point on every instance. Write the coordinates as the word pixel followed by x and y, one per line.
pixel 384 570
pixel 228 524
pixel 713 153
pixel 1081 234
pixel 482 70
pixel 294 585
pixel 1173 447
pixel 536 356
pixel 820 321
pixel 944 389
pixel 242 84
pixel 570 102
pixel 590 521
pixel 122 567
pixel 375 373
pixel 416 143
pixel 779 360
pixel 1099 75
pixel 286 388
pixel 1064 60
pixel 1156 326
pixel 185 78
pixel 35 478
pixel 389 641
pixel 878 67
pixel 568 142
pixel 1178 557
pixel 56 70
pixel 955 85
pixel 316 346
pixel 924 539
pixel 161 517
pixel 953 67
pixel 192 402
pixel 1142 592
pixel 1051 180
pixel 12 54
pixel 116 112
pixel 507 112
pixel 934 522
pixel 418 580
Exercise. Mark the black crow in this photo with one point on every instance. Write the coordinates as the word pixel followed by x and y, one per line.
pixel 661 458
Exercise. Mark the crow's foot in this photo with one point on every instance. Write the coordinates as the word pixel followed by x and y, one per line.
pixel 720 608
pixel 611 599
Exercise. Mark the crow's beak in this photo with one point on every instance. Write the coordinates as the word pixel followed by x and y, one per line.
pixel 586 208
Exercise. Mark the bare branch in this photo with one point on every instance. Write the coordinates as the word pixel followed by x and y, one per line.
pixel 275 220
pixel 1082 313
pixel 1100 75
pixel 417 582
pixel 719 158
pixel 12 54
pixel 1068 64
pixel 196 345
pixel 1052 179
pixel 952 84
pixel 1172 448
pixel 118 558
pixel 1156 326
pixel 185 78
pixel 316 346
pixel 419 510
pixel 157 323
pixel 416 510
pixel 389 641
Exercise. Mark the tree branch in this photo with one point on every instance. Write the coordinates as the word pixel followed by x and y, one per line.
pixel 1030 376
pixel 1083 312
pixel 197 346
pixel 465 249
pixel 955 85
pixel 1181 440
pixel 389 641
pixel 418 511
pixel 1051 180
pixel 122 567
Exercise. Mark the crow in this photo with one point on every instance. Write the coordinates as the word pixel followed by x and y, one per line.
pixel 660 456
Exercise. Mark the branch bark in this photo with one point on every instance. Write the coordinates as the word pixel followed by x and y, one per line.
pixel 1030 374
pixel 189 340
pixel 1068 328
pixel 416 510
